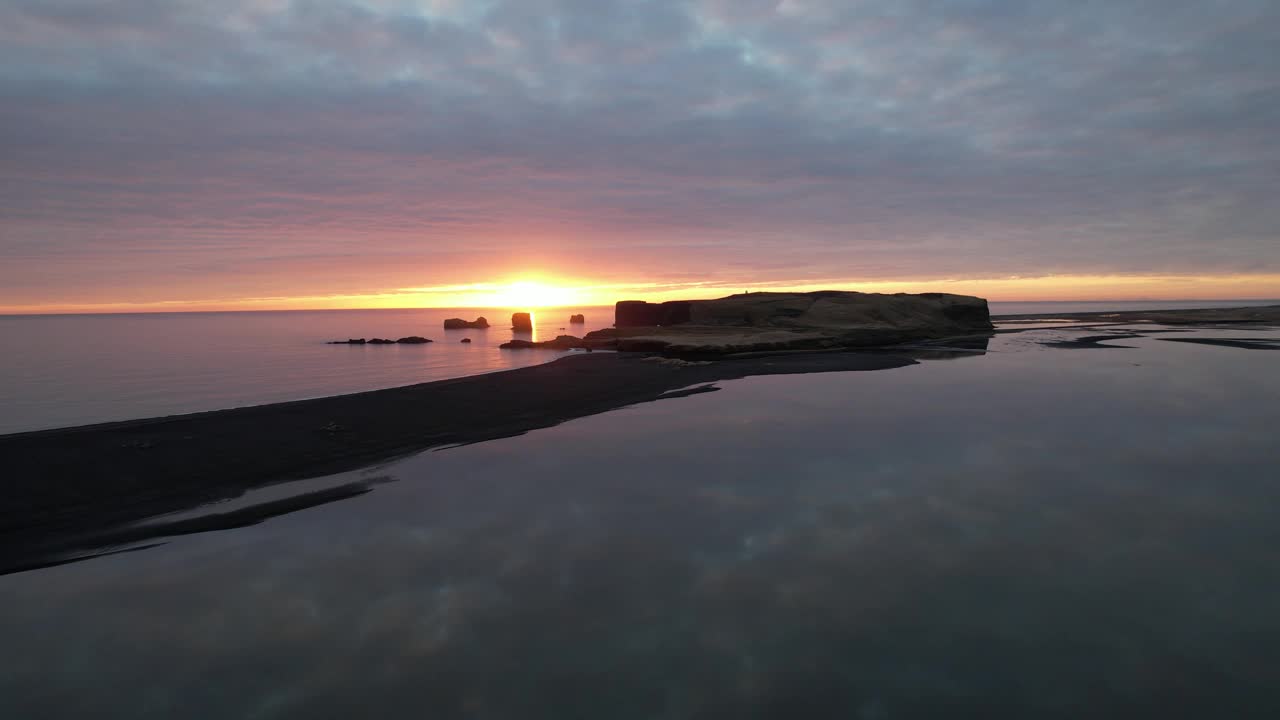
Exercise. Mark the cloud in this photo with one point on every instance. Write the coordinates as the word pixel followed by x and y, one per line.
pixel 330 146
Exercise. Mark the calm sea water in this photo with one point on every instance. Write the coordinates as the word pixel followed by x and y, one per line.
pixel 60 371
pixel 1033 532
pixel 64 370
pixel 1036 308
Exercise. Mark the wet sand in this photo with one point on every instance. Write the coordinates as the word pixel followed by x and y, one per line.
pixel 1262 314
pixel 74 488
pixel 1239 343
pixel 1093 342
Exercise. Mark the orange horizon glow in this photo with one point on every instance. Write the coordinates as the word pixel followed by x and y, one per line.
pixel 542 291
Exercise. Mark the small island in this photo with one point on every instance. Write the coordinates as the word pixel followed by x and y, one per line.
pixel 459 324
pixel 780 322
pixel 410 340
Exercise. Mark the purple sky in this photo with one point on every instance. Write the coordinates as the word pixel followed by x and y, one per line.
pixel 160 150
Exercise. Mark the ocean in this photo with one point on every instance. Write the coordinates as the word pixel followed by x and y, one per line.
pixel 1041 530
pixel 68 370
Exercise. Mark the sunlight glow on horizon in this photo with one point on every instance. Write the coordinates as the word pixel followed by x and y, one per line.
pixel 544 291
pixel 529 294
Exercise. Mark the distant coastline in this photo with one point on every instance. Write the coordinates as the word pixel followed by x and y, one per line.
pixel 71 370
pixel 998 306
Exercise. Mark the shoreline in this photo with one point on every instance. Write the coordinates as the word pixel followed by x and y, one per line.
pixel 69 488
pixel 1249 314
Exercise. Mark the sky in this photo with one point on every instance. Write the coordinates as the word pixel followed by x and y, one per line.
pixel 186 154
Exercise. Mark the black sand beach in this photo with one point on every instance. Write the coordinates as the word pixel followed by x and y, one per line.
pixel 68 488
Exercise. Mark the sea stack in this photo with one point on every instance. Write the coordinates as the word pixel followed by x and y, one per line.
pixel 460 324
pixel 522 322
pixel 577 319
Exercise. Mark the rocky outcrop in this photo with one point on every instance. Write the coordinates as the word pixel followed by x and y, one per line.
pixel 767 322
pixel 410 340
pixel 677 312
pixel 459 324
pixel 577 319
pixel 522 322
pixel 562 342
pixel 823 309
pixel 465 340
pixel 637 313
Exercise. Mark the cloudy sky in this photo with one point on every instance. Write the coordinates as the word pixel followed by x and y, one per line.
pixel 186 153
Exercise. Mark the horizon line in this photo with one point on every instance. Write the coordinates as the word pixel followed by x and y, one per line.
pixel 536 310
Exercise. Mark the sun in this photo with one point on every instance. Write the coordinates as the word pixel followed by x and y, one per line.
pixel 529 294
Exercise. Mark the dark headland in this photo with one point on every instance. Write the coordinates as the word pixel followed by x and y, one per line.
pixel 69 490
pixel 775 321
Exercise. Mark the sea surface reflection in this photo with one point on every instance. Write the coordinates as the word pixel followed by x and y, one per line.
pixel 1034 532
pixel 72 370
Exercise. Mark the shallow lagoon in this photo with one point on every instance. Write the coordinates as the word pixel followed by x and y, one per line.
pixel 1035 531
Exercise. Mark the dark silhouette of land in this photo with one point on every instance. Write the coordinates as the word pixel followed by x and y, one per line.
pixel 75 488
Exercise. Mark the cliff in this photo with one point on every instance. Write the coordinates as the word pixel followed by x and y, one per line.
pixel 755 322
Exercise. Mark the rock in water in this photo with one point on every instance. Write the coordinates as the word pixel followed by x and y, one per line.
pixel 410 340
pixel 577 319
pixel 768 321
pixel 522 322
pixel 562 342
pixel 826 309
pixel 465 340
pixel 460 324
